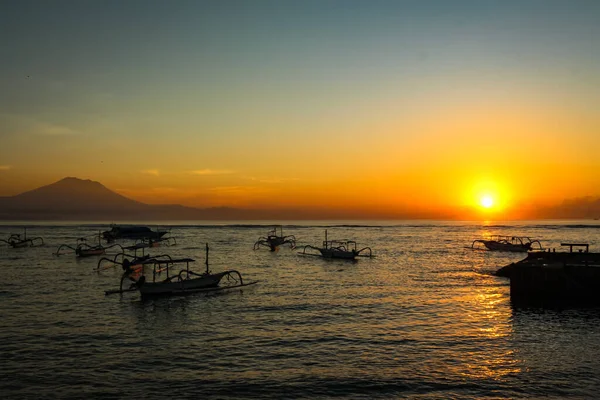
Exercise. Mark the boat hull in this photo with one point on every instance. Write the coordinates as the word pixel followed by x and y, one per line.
pixel 135 232
pixel 181 287
pixel 495 246
pixel 336 253
pixel 90 253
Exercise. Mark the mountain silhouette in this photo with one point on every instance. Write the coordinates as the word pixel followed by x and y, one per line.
pixel 78 199
pixel 74 193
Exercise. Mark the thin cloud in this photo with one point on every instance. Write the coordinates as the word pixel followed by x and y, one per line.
pixel 205 172
pixel 5 167
pixel 153 172
pixel 270 180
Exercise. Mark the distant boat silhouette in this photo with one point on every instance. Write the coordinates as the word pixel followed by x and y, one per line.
pixel 342 249
pixel 132 232
pixel 16 241
pixel 274 240
pixel 507 243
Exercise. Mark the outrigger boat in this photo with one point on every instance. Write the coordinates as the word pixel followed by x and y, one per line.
pixel 273 240
pixel 132 232
pixel 15 240
pixel 83 249
pixel 521 244
pixel 132 259
pixel 178 281
pixel 342 249
pixel 149 242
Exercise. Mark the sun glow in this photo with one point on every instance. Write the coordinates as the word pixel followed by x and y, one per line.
pixel 486 201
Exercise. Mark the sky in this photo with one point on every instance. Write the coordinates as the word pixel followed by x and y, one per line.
pixel 424 107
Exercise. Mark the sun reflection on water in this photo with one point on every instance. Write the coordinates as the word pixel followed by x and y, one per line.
pixel 488 323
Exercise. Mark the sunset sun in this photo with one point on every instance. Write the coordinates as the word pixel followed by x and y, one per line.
pixel 486 201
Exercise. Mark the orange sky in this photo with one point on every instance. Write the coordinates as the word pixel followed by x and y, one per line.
pixel 389 107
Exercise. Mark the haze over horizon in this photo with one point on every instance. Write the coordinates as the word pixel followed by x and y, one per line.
pixel 387 106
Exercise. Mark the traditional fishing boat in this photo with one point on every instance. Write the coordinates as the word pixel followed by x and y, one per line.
pixel 128 259
pixel 521 244
pixel 132 232
pixel 156 242
pixel 177 280
pixel 341 249
pixel 274 240
pixel 83 249
pixel 16 241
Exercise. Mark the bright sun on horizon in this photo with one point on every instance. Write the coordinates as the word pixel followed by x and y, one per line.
pixel 486 201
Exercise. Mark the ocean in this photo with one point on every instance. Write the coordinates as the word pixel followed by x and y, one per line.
pixel 425 318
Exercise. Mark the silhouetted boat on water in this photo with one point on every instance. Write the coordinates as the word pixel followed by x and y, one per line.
pixel 507 243
pixel 16 241
pixel 341 249
pixel 84 249
pixel 274 240
pixel 175 281
pixel 132 232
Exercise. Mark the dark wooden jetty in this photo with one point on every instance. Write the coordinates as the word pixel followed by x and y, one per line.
pixel 555 279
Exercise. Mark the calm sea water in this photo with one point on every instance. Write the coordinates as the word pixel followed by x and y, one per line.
pixel 425 318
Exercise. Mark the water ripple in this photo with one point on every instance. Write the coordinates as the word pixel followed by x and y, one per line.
pixel 425 319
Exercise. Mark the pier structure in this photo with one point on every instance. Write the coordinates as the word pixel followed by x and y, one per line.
pixel 555 279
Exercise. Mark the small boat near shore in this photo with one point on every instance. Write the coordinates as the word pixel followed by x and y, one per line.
pixel 340 249
pixel 273 240
pixel 177 280
pixel 16 241
pixel 520 244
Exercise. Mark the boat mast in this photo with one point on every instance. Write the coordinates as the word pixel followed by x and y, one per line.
pixel 207 272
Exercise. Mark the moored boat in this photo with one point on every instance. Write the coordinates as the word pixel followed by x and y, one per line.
pixel 16 241
pixel 176 280
pixel 83 249
pixel 340 249
pixel 273 240
pixel 520 244
pixel 132 232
